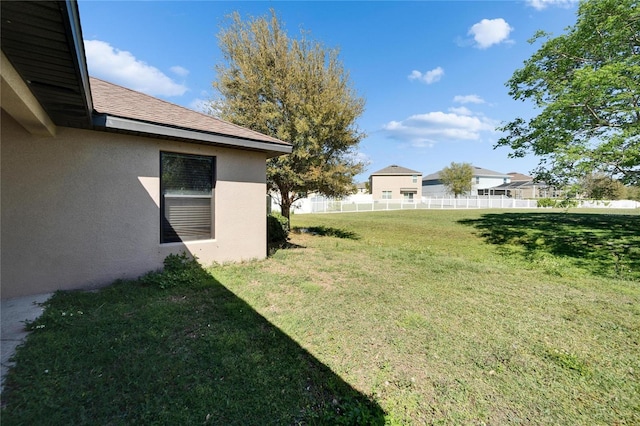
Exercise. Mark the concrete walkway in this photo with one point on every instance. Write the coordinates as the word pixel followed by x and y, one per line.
pixel 14 312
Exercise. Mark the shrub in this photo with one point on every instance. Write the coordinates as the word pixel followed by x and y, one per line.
pixel 546 202
pixel 567 203
pixel 283 221
pixel 277 231
pixel 179 270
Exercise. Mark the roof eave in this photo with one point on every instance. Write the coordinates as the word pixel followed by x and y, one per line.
pixel 64 94
pixel 74 28
pixel 110 123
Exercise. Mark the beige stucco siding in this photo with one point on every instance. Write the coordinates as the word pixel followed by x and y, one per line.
pixel 81 209
pixel 394 183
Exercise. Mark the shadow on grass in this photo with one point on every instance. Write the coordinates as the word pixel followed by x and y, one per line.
pixel 607 245
pixel 326 231
pixel 188 354
pixel 273 247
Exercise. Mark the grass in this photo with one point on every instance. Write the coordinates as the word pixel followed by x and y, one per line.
pixel 409 317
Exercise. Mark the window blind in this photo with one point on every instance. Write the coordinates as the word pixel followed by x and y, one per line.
pixel 186 185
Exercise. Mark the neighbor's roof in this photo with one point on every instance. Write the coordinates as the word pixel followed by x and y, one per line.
pixel 432 176
pixel 395 170
pixel 481 172
pixel 477 172
pixel 519 177
pixel 118 101
pixel 520 185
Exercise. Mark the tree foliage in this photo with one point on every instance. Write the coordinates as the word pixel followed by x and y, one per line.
pixel 587 84
pixel 602 187
pixel 457 177
pixel 295 90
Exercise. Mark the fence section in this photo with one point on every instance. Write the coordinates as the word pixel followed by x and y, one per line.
pixel 323 205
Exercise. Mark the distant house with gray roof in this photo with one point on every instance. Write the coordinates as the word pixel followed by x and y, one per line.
pixel 482 179
pixel 395 183
pixel 521 187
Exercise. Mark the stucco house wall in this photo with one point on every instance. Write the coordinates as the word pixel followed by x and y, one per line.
pixel 398 180
pixel 393 184
pixel 82 209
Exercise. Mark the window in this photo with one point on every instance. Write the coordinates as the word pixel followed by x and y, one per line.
pixel 414 178
pixel 408 196
pixel 186 197
pixel 477 179
pixel 386 195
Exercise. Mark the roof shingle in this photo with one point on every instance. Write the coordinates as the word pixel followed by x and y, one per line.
pixel 395 170
pixel 114 100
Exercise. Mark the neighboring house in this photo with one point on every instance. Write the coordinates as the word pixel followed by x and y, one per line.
pixel 395 183
pixel 100 182
pixel 482 178
pixel 362 188
pixel 521 187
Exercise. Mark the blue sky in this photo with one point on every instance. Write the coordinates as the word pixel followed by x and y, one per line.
pixel 432 72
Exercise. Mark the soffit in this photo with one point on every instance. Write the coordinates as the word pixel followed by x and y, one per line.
pixel 43 42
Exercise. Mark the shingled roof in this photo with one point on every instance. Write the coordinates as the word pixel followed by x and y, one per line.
pixel 118 101
pixel 395 170
pixel 519 177
pixel 477 172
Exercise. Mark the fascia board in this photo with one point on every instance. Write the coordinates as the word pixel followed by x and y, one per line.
pixel 125 124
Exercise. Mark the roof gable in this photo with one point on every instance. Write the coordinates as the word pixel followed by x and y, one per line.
pixel 395 170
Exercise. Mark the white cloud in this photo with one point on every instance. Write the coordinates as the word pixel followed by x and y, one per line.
pixel 488 32
pixel 428 77
pixel 178 70
pixel 432 127
pixel 461 110
pixel 121 67
pixel 468 99
pixel 543 4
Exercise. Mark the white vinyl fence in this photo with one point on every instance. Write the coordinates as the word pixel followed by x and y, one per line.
pixel 324 205
pixel 366 204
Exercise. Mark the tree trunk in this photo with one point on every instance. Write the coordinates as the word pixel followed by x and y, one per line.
pixel 285 206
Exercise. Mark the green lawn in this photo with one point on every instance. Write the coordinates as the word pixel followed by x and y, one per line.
pixel 406 317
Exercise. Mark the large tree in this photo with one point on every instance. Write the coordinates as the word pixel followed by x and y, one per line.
pixel 295 90
pixel 457 177
pixel 587 84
